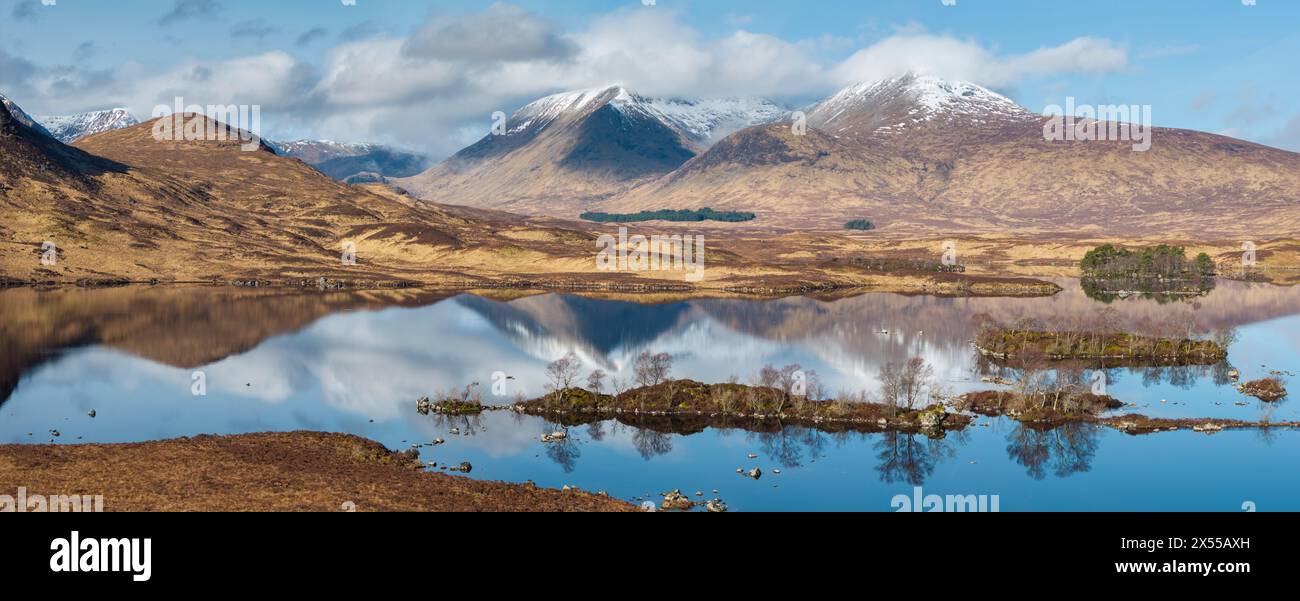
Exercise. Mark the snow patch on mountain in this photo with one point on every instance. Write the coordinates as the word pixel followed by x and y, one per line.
pixel 319 151
pixel 702 121
pixel 916 99
pixel 543 111
pixel 22 117
pixel 70 128
pixel 709 120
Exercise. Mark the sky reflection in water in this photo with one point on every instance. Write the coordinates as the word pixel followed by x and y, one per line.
pixel 343 370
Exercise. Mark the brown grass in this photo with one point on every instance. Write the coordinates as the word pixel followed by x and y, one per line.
pixel 296 471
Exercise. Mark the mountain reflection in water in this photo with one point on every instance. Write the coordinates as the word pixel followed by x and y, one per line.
pixel 285 360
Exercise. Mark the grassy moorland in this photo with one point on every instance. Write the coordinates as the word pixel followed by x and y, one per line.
pixel 288 471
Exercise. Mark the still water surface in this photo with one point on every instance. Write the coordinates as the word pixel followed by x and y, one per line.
pixel 355 362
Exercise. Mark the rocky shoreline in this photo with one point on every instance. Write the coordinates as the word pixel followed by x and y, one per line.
pixel 989 287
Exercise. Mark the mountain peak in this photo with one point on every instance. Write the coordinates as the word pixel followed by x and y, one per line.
pixel 543 111
pixel 908 99
pixel 70 128
pixel 16 114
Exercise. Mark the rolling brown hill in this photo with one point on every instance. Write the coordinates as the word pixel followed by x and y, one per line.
pixel 918 154
pixel 121 204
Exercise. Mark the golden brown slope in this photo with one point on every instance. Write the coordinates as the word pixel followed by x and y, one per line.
pixel 932 177
pixel 122 204
pixel 561 155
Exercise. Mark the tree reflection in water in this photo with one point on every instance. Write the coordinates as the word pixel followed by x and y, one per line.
pixel 563 452
pixel 789 445
pixel 651 444
pixel 911 458
pixel 1066 449
pixel 596 430
pixel 466 425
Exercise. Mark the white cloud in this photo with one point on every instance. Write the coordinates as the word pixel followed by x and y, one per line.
pixel 655 53
pixel 436 89
pixel 951 58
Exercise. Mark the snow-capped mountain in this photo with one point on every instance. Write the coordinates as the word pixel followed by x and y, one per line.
pixel 70 128
pixel 917 152
pixel 319 151
pixel 561 153
pixel 897 103
pixel 344 161
pixel 699 121
pixel 709 120
pixel 22 117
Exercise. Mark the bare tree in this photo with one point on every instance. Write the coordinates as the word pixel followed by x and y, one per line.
pixel 916 380
pixel 652 370
pixel 641 369
pixel 595 383
pixel 1032 367
pixel 890 386
pixel 766 383
pixel 1224 337
pixel 788 379
pixel 619 387
pixel 561 373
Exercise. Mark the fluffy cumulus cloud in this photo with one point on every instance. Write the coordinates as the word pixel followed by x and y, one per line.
pixel 952 58
pixel 655 53
pixel 436 88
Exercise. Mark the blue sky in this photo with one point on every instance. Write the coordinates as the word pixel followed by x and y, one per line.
pixel 428 75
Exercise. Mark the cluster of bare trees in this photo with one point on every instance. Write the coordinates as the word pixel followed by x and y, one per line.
pixel 561 374
pixel 468 399
pixel 778 389
pixel 907 385
pixel 1174 335
pixel 653 369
